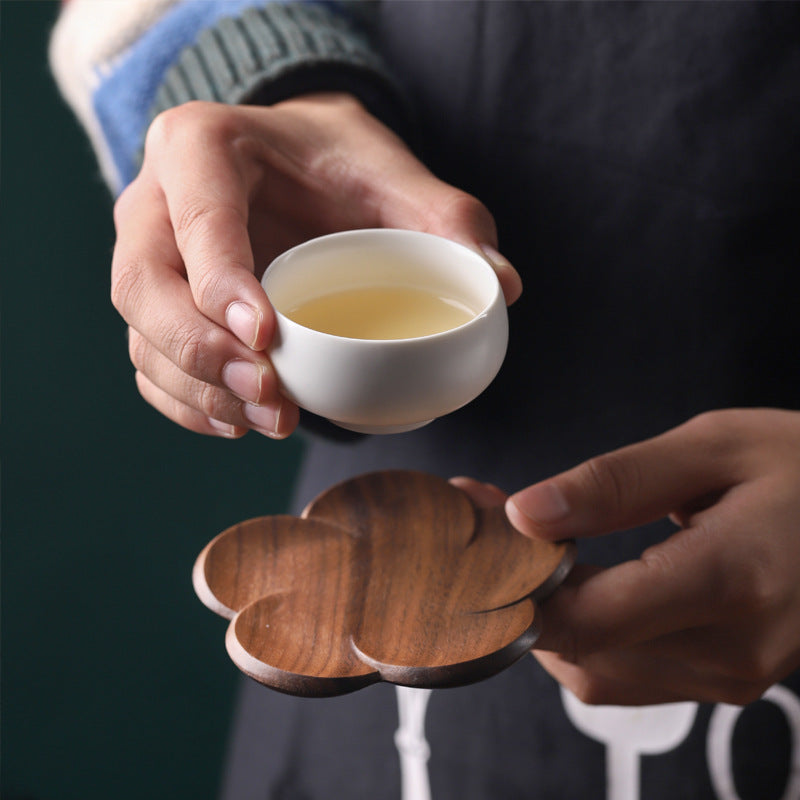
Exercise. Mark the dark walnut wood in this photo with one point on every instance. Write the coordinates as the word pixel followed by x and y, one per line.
pixel 391 576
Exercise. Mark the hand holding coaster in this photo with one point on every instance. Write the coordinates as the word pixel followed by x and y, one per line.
pixel 392 576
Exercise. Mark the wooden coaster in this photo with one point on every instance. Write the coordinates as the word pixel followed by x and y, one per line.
pixel 391 576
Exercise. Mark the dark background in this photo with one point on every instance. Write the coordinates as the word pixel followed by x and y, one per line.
pixel 115 680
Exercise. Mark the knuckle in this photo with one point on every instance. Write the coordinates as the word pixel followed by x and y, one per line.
pixel 462 206
pixel 465 204
pixel 614 480
pixel 661 560
pixel 137 350
pixel 210 285
pixel 196 219
pixel 162 130
pixel 191 216
pixel 756 594
pixel 194 124
pixel 721 430
pixel 124 201
pixel 211 402
pixel 743 589
pixel 190 352
pixel 127 281
pixel 171 127
pixel 748 587
pixel 195 349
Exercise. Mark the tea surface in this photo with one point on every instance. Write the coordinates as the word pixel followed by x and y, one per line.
pixel 381 313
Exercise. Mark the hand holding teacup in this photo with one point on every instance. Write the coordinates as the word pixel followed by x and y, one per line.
pixel 210 209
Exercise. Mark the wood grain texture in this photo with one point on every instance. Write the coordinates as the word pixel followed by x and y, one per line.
pixel 390 576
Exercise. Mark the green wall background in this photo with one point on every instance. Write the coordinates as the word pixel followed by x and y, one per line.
pixel 115 681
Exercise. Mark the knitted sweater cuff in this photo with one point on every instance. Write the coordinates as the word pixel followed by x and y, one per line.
pixel 120 63
pixel 273 52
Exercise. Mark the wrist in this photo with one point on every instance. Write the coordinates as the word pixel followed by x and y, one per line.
pixel 274 53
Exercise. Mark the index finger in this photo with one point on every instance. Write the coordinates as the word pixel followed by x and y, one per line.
pixel 675 585
pixel 206 186
pixel 631 486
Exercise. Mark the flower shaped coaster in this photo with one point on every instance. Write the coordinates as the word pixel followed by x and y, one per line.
pixel 391 576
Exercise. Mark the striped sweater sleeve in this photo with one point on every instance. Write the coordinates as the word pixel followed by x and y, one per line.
pixel 118 63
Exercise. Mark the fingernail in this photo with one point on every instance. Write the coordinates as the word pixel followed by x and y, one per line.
pixel 223 428
pixel 244 379
pixel 496 258
pixel 502 264
pixel 244 320
pixel 265 418
pixel 542 503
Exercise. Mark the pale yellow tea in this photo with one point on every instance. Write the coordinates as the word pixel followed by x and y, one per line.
pixel 390 312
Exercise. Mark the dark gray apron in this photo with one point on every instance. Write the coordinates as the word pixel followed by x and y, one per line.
pixel 643 164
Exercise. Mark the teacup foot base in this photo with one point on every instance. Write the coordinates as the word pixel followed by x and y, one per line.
pixel 378 429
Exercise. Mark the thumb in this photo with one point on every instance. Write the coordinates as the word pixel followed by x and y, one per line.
pixel 625 488
pixel 463 218
pixel 423 202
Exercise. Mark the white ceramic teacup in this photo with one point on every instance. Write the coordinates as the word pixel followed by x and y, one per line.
pixel 386 385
